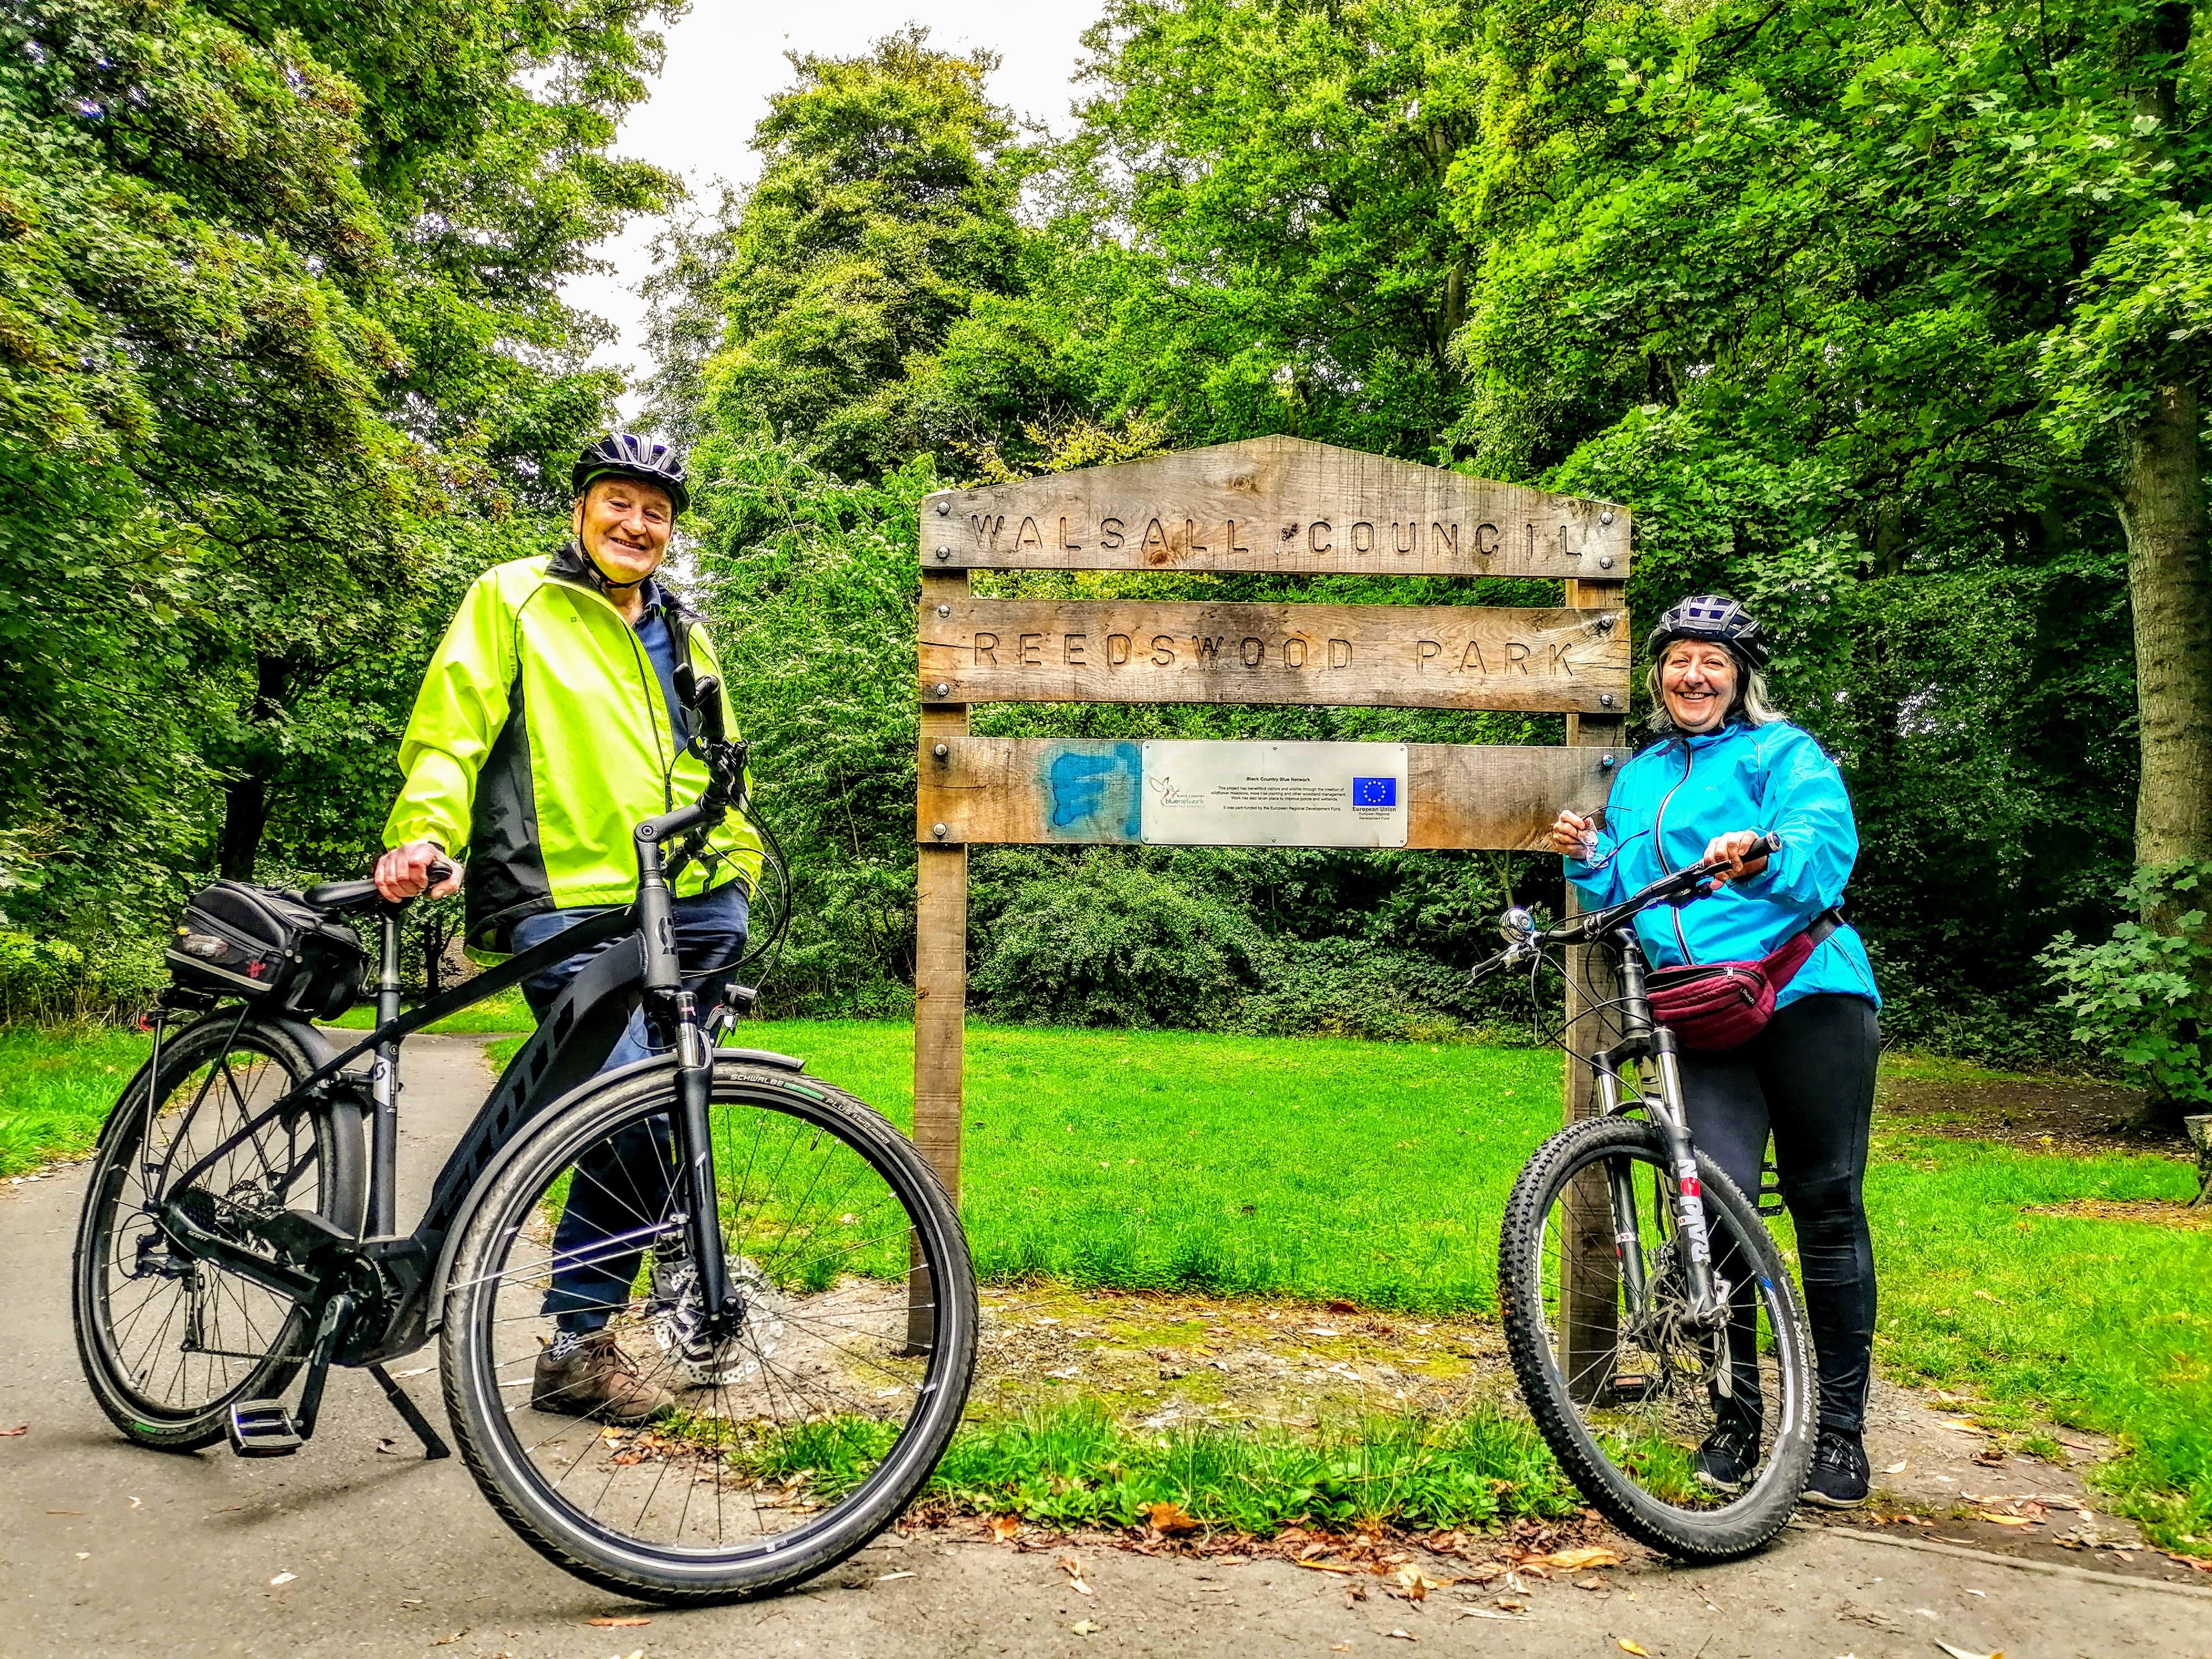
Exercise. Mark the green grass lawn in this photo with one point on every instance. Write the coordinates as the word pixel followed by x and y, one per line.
pixel 1376 1171
pixel 56 1087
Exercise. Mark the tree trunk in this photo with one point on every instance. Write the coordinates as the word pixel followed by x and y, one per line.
pixel 246 797
pixel 2162 509
pixel 244 815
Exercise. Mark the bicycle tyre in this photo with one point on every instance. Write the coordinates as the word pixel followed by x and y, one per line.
pixel 1715 1534
pixel 485 1426
pixel 118 1378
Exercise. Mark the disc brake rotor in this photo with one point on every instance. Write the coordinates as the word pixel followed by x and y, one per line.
pixel 679 1318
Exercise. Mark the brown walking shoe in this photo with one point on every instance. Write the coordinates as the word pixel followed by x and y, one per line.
pixel 598 1379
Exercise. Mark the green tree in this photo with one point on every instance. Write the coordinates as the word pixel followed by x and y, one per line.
pixel 1281 171
pixel 278 286
pixel 884 214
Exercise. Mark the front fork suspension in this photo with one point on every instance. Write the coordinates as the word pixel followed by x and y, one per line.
pixel 695 1145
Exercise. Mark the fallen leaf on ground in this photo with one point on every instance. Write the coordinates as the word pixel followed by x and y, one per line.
pixel 1074 1569
pixel 1083 1627
pixel 1961 1653
pixel 1577 1560
pixel 1402 1635
pixel 2004 1520
pixel 2078 1445
pixel 1898 1467
pixel 1504 1606
pixel 1965 1425
pixel 1627 1646
pixel 448 1641
pixel 283 1578
pixel 617 1623
pixel 64 1511
pixel 1411 1576
pixel 20 1428
pixel 1169 1517
pixel 138 1503
pixel 1004 1526
pixel 1483 1612
pixel 887 1577
pixel 1324 1566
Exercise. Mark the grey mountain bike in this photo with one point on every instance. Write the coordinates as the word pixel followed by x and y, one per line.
pixel 781 1257
pixel 1647 1310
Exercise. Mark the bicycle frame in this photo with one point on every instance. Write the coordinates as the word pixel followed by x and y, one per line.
pixel 1642 1038
pixel 376 1297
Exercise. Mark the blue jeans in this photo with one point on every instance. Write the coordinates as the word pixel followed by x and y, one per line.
pixel 624 1183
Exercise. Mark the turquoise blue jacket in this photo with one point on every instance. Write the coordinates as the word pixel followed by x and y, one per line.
pixel 1677 795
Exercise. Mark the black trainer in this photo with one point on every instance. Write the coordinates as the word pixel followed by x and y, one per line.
pixel 1839 1474
pixel 1727 1459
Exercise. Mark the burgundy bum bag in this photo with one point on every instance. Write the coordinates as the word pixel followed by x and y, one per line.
pixel 1713 1007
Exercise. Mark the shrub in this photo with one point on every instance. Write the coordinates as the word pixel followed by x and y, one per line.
pixel 1112 943
pixel 2144 998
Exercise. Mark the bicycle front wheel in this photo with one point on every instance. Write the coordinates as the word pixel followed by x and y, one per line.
pixel 1693 1438
pixel 652 1460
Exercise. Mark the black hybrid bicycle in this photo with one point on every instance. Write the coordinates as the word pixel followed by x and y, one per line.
pixel 1645 1304
pixel 780 1257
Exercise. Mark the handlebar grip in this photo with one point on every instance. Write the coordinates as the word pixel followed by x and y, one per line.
pixel 438 872
pixel 709 707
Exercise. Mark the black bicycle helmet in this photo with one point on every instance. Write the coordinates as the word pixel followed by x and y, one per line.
pixel 1712 617
pixel 626 455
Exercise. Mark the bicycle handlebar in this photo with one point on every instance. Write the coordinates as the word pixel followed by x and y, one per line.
pixel 1682 887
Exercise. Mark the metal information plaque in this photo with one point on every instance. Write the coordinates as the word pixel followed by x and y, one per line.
pixel 1274 794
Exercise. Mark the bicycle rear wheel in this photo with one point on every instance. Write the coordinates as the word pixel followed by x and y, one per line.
pixel 1627 1397
pixel 169 1342
pixel 791 1443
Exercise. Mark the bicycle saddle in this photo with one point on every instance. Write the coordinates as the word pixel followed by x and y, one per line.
pixel 338 898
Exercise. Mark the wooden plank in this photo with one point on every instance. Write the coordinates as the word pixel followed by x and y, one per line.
pixel 940 980
pixel 1275 503
pixel 1590 1276
pixel 1052 791
pixel 1393 656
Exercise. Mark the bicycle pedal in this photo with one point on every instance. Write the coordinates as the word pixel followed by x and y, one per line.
pixel 263 1428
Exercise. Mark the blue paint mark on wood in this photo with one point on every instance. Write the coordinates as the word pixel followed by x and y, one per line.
pixel 1095 789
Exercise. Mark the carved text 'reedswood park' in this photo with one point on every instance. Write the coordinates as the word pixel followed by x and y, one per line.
pixel 1276 504
pixel 1372 656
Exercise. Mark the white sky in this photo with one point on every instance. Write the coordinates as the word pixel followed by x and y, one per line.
pixel 724 59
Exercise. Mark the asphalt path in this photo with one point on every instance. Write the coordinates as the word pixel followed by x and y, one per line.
pixel 357 1545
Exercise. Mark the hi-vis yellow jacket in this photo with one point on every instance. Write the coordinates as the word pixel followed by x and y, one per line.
pixel 540 740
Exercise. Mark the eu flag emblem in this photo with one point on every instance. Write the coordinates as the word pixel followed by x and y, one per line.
pixel 1375 792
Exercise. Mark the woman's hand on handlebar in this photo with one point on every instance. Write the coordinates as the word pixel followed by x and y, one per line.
pixel 1745 850
pixel 405 871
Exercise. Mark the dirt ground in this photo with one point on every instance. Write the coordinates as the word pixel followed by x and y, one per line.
pixel 2079 1117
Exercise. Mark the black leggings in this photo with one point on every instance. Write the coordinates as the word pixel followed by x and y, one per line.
pixel 1808 1077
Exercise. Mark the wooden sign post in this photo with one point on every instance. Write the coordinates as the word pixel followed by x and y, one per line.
pixel 1265 505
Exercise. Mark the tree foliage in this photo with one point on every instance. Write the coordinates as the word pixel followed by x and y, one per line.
pixel 278 294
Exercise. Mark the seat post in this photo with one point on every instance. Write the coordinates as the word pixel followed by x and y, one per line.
pixel 384 1089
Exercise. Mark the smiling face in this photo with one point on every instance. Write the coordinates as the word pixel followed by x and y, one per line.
pixel 1697 683
pixel 623 527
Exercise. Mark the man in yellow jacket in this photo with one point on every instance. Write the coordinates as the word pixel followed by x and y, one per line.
pixel 547 727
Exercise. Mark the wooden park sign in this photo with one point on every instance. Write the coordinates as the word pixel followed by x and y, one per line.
pixel 1265 505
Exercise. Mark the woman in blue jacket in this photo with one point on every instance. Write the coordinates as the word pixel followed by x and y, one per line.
pixel 1730 769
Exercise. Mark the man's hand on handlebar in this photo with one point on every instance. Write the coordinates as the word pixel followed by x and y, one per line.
pixel 405 871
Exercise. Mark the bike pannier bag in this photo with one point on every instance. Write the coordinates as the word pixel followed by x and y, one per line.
pixel 1714 1007
pixel 265 943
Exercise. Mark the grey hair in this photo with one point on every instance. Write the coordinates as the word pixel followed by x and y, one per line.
pixel 1751 704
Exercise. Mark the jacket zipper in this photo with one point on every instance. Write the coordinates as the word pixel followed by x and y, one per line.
pixel 1659 844
pixel 656 705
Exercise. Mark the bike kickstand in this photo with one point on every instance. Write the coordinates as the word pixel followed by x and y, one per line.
pixel 412 1414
